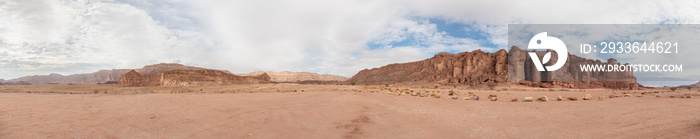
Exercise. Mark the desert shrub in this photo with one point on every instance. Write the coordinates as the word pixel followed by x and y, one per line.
pixel 688 87
pixel 452 93
pixel 436 87
pixel 491 85
pixel 432 95
pixel 674 89
pixel 386 85
pixel 352 83
pixel 490 96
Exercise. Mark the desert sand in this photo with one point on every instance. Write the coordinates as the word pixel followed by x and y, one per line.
pixel 339 111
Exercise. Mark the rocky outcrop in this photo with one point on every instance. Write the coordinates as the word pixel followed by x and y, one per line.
pixel 472 68
pixel 133 78
pixel 286 76
pixel 189 78
pixel 478 67
pixel 103 75
pixel 208 77
pixel 521 69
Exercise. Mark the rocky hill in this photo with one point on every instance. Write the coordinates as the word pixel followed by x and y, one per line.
pixel 478 67
pixel 470 68
pixel 286 76
pixel 695 85
pixel 103 75
pixel 189 78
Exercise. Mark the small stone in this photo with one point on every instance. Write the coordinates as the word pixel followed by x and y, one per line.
pixel 494 98
pixel 465 98
pixel 514 100
pixel 455 97
pixel 572 98
pixel 657 94
pixel 628 95
pixel 527 99
pixel 559 98
pixel 601 97
pixel 543 99
pixel 588 97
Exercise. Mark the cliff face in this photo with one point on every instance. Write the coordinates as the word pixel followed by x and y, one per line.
pixel 103 75
pixel 208 77
pixel 286 76
pixel 477 67
pixel 189 78
pixel 472 68
pixel 570 75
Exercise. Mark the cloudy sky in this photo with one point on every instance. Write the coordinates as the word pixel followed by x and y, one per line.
pixel 341 37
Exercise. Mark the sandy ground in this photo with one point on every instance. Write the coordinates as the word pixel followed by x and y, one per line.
pixel 345 112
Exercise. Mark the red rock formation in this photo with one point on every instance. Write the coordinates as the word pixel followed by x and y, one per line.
pixel 133 78
pixel 472 68
pixel 189 78
pixel 521 69
pixel 208 77
pixel 478 67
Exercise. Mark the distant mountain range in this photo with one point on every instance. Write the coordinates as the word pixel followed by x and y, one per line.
pixel 114 74
pixel 286 76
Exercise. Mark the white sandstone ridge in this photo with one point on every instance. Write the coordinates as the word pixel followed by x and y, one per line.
pixel 287 76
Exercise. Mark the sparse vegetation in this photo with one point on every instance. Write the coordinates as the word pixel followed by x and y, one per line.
pixel 452 93
pixel 491 85
pixel 352 83
pixel 674 89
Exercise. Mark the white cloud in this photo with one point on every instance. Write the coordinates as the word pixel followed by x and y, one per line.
pixel 37 37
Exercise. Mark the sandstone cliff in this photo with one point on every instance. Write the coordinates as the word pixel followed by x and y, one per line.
pixel 478 67
pixel 472 68
pixel 521 69
pixel 189 78
pixel 103 75
pixel 286 76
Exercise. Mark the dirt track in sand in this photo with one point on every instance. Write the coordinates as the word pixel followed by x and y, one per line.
pixel 340 114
